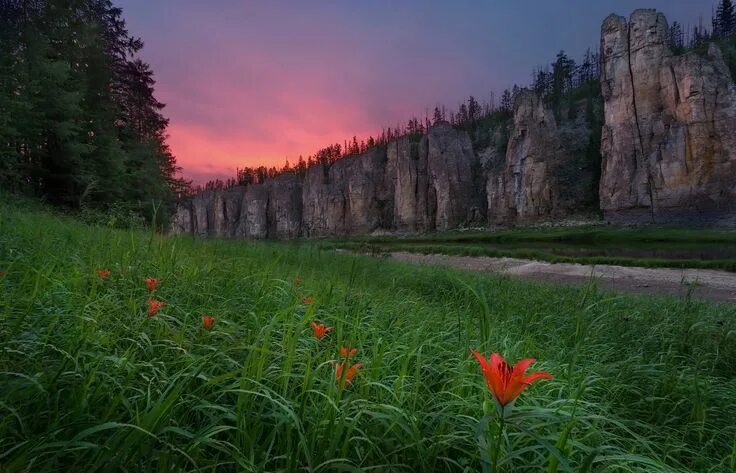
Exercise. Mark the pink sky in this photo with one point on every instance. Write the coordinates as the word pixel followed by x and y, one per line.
pixel 254 83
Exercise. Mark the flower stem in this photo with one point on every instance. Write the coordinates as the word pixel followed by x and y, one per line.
pixel 497 449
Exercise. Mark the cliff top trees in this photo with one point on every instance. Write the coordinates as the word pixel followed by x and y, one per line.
pixel 676 39
pixel 724 22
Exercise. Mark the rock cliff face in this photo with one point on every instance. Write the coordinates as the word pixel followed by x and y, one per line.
pixel 668 152
pixel 669 139
pixel 354 195
pixel 543 161
pixel 432 181
pixel 450 161
pixel 411 185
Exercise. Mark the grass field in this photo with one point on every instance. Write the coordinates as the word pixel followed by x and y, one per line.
pixel 647 247
pixel 89 382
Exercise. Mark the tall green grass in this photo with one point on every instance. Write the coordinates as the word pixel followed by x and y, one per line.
pixel 88 382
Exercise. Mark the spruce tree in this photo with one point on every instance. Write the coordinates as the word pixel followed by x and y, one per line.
pixel 725 19
pixel 79 123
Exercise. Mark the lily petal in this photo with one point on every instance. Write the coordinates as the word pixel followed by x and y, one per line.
pixel 481 359
pixel 535 376
pixel 523 365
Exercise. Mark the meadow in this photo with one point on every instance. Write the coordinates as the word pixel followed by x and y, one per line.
pixel 90 382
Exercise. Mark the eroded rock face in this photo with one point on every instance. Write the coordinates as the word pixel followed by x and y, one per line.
pixel 450 166
pixel 284 217
pixel 268 210
pixel 181 221
pixel 352 196
pixel 543 159
pixel 433 181
pixel 411 186
pixel 669 145
pixel 254 212
pixel 323 201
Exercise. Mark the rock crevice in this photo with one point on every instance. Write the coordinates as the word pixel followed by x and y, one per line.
pixel 679 164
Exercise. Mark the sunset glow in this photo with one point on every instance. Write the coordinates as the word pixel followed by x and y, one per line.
pixel 256 83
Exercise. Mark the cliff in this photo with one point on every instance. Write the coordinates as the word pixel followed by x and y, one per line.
pixel 546 174
pixel 667 154
pixel 411 185
pixel 669 139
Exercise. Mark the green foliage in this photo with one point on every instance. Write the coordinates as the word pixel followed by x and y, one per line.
pixel 115 216
pixel 728 48
pixel 88 382
pixel 79 124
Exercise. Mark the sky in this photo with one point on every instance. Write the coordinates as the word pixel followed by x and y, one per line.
pixel 251 83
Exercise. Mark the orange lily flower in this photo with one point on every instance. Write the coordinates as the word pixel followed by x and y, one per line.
pixel 154 306
pixel 320 330
pixel 307 300
pixel 349 373
pixel 103 273
pixel 348 353
pixel 208 321
pixel 152 284
pixel 505 382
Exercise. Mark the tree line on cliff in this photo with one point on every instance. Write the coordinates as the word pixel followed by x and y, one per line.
pixel 79 122
pixel 563 84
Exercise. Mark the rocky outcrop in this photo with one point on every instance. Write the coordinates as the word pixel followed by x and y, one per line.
pixel 268 210
pixel 450 162
pixel 410 185
pixel 668 145
pixel 433 181
pixel 544 167
pixel 284 210
pixel 412 197
pixel 668 152
pixel 354 195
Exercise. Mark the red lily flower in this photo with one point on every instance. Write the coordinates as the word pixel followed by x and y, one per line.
pixel 320 330
pixel 505 382
pixel 307 300
pixel 208 321
pixel 349 373
pixel 298 281
pixel 152 284
pixel 103 273
pixel 348 353
pixel 154 306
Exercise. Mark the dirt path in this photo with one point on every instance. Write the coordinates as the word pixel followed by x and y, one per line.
pixel 718 286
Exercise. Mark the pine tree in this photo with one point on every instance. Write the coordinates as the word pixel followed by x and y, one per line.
pixel 86 129
pixel 437 116
pixel 473 110
pixel 725 19
pixel 462 115
pixel 676 38
pixel 562 73
pixel 506 101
